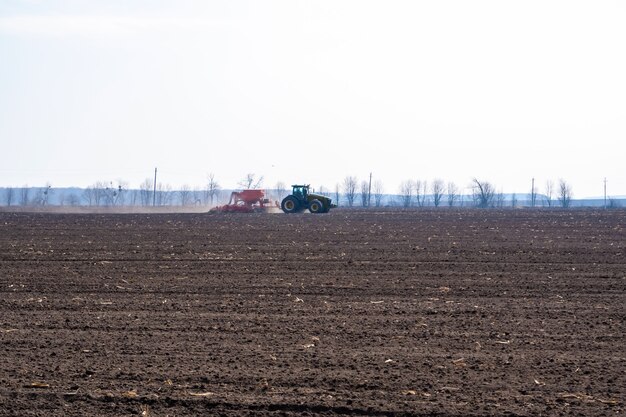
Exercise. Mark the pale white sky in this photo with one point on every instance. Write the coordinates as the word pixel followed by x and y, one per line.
pixel 312 91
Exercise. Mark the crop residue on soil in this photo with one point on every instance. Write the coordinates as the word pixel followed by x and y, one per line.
pixel 432 312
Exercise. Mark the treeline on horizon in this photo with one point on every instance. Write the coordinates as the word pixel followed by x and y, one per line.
pixel 349 193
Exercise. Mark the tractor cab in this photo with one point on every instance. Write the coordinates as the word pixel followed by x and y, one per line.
pixel 300 192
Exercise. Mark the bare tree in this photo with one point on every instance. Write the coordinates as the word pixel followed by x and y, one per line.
pixel 565 194
pixel 118 193
pixel 9 194
pixel 379 189
pixel 100 192
pixel 549 192
pixel 513 200
pixel 37 199
pixel 134 196
pixel 420 192
pixel 613 203
pixel 499 199
pixel 349 189
pixel 365 193
pixel 42 195
pixel 436 189
pixel 24 195
pixel 406 193
pixel 212 188
pixel 62 199
pixel 88 195
pixel 109 194
pixel 453 193
pixel 122 193
pixel 197 196
pixel 145 192
pixel 164 194
pixel 281 190
pixel 105 193
pixel 533 194
pixel 337 194
pixel 48 193
pixel 72 200
pixel 251 182
pixel 184 194
pixel 483 193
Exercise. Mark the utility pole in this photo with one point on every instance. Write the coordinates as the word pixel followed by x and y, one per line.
pixel 369 191
pixel 605 192
pixel 532 194
pixel 154 190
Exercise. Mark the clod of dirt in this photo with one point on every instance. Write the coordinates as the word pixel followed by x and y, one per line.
pixel 609 402
pixel 263 385
pixel 37 384
pixel 459 362
pixel 200 394
pixel 129 394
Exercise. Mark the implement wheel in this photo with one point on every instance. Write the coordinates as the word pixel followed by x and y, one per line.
pixel 290 204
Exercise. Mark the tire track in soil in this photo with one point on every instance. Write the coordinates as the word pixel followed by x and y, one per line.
pixel 527 319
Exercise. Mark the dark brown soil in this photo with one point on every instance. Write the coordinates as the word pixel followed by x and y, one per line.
pixel 388 313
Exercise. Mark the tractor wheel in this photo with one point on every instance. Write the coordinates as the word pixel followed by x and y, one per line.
pixel 290 204
pixel 316 207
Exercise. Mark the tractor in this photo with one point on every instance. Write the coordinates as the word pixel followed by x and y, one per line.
pixel 301 199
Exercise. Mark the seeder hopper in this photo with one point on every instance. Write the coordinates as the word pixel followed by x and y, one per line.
pixel 246 201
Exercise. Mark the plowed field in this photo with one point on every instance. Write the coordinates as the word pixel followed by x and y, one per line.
pixel 383 313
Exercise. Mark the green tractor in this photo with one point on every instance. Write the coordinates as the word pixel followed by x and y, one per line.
pixel 300 200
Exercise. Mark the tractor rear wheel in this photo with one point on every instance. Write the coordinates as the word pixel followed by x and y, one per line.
pixel 290 204
pixel 316 207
